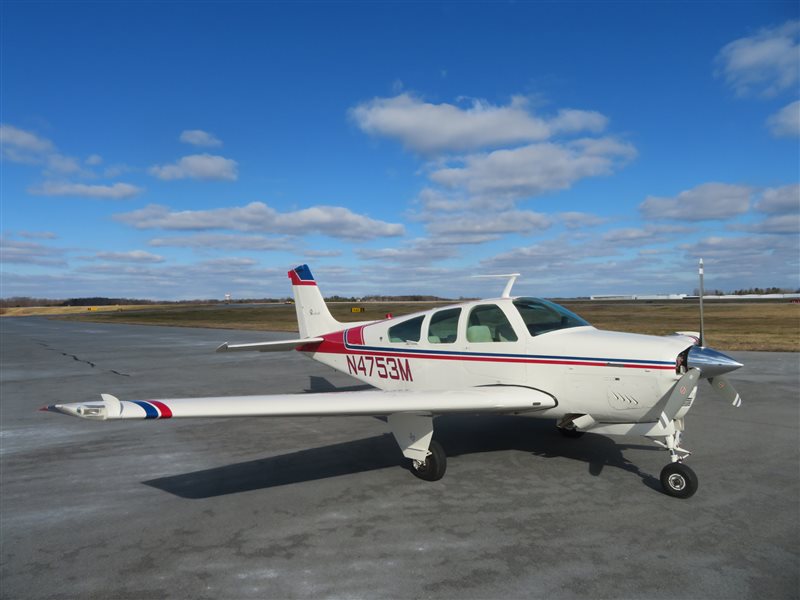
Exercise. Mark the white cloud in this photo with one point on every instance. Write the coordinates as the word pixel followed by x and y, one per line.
pixel 227 263
pixel 764 63
pixel 434 128
pixel 534 169
pixel 481 227
pixel 31 253
pixel 749 260
pixel 117 191
pixel 94 160
pixel 333 221
pixel 786 122
pixel 704 202
pixel 651 234
pixel 322 253
pixel 774 224
pixel 63 165
pixel 116 170
pixel 135 256
pixel 38 235
pixel 420 251
pixel 198 137
pixel 780 200
pixel 580 220
pixel 198 166
pixel 24 147
pixel 222 241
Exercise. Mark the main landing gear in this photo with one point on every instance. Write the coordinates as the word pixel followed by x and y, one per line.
pixel 434 465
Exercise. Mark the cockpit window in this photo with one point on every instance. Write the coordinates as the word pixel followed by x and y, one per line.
pixel 541 316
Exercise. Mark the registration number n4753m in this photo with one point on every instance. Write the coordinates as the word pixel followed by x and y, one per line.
pixel 385 367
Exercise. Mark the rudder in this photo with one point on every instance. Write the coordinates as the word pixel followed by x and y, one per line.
pixel 313 316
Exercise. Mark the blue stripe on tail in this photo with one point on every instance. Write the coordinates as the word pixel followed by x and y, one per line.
pixel 304 273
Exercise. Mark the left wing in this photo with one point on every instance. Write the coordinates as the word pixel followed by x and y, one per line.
pixel 501 399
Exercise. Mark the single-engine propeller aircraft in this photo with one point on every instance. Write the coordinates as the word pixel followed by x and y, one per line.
pixel 512 355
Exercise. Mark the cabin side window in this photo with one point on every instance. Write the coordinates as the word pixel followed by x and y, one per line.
pixel 443 328
pixel 407 331
pixel 488 323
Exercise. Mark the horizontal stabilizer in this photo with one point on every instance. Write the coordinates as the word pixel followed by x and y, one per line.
pixel 279 346
pixel 497 399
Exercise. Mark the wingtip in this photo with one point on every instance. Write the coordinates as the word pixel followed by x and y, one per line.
pixel 222 347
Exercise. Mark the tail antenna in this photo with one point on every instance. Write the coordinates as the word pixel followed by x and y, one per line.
pixel 702 327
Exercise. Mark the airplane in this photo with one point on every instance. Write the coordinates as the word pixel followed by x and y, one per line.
pixel 508 355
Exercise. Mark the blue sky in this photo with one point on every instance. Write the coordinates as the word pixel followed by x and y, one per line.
pixel 174 150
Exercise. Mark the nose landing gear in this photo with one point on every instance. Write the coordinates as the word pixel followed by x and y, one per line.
pixel 678 480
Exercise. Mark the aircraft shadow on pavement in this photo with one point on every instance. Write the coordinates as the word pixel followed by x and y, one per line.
pixel 459 435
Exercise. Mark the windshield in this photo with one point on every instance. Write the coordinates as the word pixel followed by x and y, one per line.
pixel 541 316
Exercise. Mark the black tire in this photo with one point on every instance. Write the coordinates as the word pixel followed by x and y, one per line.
pixel 678 480
pixel 434 466
pixel 571 433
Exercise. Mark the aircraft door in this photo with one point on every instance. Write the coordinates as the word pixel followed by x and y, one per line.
pixel 442 338
pixel 493 347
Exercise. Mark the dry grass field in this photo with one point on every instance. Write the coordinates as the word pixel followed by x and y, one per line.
pixel 52 311
pixel 730 325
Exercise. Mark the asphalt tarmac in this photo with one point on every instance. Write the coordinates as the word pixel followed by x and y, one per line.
pixel 322 507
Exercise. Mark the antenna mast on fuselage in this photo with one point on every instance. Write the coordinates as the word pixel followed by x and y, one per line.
pixel 512 277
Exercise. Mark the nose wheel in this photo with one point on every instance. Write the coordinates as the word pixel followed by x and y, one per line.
pixel 678 480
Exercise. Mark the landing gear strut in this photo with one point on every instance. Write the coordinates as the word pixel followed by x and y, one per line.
pixel 434 465
pixel 677 479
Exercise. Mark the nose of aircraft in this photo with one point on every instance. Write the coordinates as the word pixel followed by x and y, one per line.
pixel 711 363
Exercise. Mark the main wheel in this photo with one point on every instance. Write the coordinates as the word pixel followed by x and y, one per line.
pixel 434 466
pixel 678 480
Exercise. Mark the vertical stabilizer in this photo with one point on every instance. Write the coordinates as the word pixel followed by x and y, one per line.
pixel 313 316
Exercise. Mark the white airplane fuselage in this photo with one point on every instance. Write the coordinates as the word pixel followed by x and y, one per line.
pixel 615 377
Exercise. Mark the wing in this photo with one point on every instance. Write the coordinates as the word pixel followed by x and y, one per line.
pixel 498 399
pixel 278 346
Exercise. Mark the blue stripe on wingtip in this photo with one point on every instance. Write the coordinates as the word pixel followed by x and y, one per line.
pixel 149 409
pixel 304 273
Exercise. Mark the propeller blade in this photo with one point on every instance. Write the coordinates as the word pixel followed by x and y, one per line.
pixel 724 388
pixel 677 397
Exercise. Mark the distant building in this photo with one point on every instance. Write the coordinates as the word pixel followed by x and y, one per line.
pixel 638 297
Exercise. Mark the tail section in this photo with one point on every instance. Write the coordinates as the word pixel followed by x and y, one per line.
pixel 313 316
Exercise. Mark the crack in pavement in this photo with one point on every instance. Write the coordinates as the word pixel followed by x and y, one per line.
pixel 81 360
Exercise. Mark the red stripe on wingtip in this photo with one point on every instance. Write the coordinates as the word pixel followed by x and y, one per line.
pixel 166 413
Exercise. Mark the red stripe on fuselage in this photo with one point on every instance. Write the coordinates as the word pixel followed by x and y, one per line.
pixel 333 343
pixel 355 336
